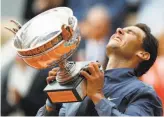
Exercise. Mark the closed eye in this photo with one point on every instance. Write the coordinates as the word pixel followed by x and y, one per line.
pixel 131 32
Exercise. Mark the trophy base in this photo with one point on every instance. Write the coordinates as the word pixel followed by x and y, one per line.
pixel 74 91
pixel 71 92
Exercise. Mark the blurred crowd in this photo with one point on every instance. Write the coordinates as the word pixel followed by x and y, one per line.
pixel 22 86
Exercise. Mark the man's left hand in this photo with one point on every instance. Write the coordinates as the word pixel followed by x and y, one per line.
pixel 95 82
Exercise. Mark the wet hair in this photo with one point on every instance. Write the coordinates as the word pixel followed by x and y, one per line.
pixel 150 45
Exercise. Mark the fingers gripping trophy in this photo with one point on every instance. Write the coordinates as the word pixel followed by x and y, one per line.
pixel 47 40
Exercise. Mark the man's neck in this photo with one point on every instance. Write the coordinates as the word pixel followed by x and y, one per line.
pixel 120 62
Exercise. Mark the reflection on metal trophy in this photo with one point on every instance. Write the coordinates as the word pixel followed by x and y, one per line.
pixel 47 40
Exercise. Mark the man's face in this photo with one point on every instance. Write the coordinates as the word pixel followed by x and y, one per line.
pixel 126 42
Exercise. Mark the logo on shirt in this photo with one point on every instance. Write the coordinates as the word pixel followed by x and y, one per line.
pixel 110 99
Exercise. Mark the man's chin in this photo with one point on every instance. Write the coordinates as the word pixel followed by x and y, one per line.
pixel 110 48
pixel 113 45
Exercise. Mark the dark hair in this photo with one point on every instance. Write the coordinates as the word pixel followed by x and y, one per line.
pixel 150 44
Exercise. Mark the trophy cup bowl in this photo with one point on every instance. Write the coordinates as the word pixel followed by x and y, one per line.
pixel 47 40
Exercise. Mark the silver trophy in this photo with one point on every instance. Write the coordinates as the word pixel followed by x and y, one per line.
pixel 47 40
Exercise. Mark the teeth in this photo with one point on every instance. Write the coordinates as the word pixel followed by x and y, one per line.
pixel 117 39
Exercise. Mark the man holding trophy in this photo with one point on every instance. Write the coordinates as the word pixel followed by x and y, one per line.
pixel 82 88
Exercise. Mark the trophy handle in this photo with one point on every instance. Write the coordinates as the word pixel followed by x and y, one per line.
pixel 14 30
pixel 67 32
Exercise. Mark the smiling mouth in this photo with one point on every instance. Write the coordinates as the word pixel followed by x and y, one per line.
pixel 117 39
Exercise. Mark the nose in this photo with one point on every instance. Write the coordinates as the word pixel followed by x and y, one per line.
pixel 120 31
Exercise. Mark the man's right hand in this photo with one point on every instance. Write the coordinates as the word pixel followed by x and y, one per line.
pixel 52 75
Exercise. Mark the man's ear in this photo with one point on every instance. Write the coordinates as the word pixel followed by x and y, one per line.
pixel 143 55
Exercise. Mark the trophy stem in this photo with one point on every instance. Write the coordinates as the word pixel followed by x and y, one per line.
pixel 66 72
pixel 62 64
